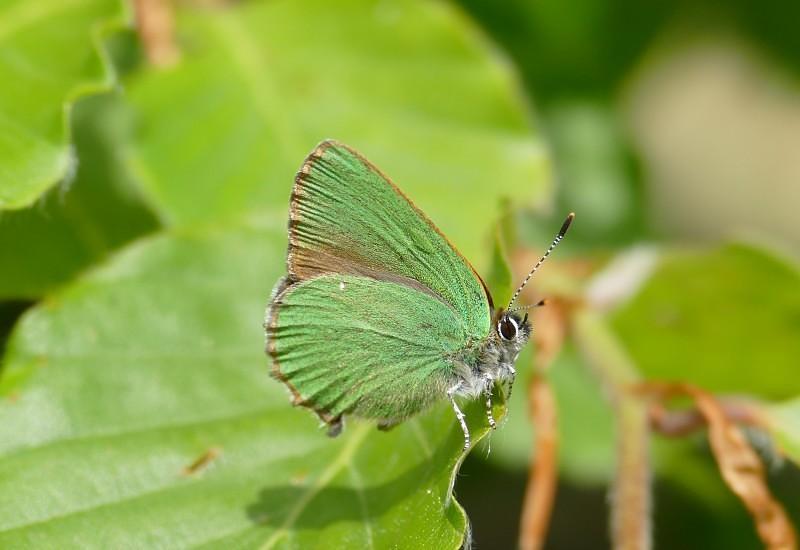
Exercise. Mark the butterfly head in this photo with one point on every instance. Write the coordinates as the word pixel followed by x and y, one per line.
pixel 513 327
pixel 511 332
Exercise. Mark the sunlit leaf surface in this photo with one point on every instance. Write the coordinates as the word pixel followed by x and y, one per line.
pixel 129 377
pixel 408 84
pixel 40 83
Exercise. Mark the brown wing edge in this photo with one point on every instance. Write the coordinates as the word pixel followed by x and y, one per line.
pixel 299 181
pixel 283 286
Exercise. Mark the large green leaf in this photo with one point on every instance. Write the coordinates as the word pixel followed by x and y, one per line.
pixel 409 84
pixel 727 320
pixel 118 383
pixel 50 54
pixel 46 244
pixel 115 384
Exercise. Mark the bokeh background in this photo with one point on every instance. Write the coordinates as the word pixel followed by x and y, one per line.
pixel 673 123
pixel 671 128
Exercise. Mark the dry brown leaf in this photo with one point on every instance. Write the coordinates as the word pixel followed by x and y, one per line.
pixel 739 464
pixel 678 423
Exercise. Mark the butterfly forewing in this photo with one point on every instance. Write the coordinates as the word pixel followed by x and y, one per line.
pixel 347 217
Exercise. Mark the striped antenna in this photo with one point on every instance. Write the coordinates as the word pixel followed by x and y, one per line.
pixel 540 303
pixel 554 244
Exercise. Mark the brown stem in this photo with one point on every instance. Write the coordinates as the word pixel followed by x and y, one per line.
pixel 155 25
pixel 543 471
pixel 630 497
pixel 550 323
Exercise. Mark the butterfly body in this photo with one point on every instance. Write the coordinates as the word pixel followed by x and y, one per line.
pixel 379 316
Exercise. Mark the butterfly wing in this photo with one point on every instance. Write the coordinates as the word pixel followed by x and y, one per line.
pixel 347 217
pixel 351 344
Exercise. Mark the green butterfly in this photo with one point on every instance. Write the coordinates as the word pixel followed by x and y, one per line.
pixel 379 315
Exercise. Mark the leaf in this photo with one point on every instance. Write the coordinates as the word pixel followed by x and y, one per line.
pixel 726 320
pixel 40 84
pixel 499 277
pixel 784 420
pixel 153 364
pixel 9 313
pixel 564 48
pixel 46 244
pixel 600 184
pixel 739 465
pixel 407 84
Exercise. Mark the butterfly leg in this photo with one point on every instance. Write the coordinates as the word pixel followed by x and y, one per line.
pixel 387 424
pixel 488 392
pixel 460 415
pixel 512 374
pixel 335 426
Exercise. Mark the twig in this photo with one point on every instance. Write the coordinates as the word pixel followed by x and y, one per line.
pixel 630 494
pixel 550 323
pixel 155 25
pixel 543 470
pixel 202 462
pixel 631 499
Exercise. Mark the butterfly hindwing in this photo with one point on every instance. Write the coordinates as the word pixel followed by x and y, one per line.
pixel 352 344
pixel 347 217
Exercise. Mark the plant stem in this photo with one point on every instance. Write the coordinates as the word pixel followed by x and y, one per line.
pixel 630 494
pixel 156 27
pixel 543 470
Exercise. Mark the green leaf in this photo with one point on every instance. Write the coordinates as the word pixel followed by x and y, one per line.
pixel 499 277
pixel 727 320
pixel 51 56
pixel 564 49
pixel 409 84
pixel 595 165
pixel 116 384
pixel 148 362
pixel 784 419
pixel 46 244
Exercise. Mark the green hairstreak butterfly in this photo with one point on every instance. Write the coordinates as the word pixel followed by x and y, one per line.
pixel 379 315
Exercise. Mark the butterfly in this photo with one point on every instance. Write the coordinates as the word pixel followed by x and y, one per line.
pixel 379 316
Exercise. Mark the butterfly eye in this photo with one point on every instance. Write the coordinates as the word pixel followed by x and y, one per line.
pixel 507 328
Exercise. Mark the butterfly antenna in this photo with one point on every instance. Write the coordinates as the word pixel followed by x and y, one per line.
pixel 540 303
pixel 554 244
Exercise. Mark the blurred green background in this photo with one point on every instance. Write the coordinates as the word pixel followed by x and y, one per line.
pixel 144 203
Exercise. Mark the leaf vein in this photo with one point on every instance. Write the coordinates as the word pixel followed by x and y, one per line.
pixel 136 431
pixel 345 455
pixel 358 485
